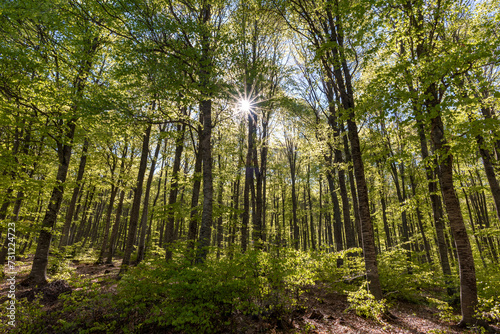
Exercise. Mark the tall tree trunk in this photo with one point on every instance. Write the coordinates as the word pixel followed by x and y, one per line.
pixel 136 204
pixel 311 222
pixel 220 203
pixel 337 221
pixel 249 175
pixel 420 220
pixel 320 218
pixel 72 205
pixel 206 133
pixel 291 151
pixel 114 191
pixel 193 222
pixel 368 238
pixel 38 274
pixel 490 173
pixel 174 190
pixel 401 193
pixel 145 206
pixel 352 186
pixel 114 232
pixel 437 209
pixel 468 288
pixel 208 189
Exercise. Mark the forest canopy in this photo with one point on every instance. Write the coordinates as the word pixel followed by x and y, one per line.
pixel 226 154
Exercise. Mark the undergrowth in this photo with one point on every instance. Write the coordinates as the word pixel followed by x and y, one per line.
pixel 181 297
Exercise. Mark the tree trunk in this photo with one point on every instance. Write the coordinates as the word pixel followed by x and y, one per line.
pixel 219 219
pixel 249 166
pixel 468 288
pixel 71 209
pixel 437 209
pixel 193 222
pixel 38 274
pixel 354 195
pixel 136 205
pixel 145 206
pixel 311 222
pixel 114 191
pixel 206 157
pixel 419 220
pixel 114 232
pixel 337 223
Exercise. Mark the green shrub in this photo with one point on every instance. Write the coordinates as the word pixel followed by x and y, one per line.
pixel 489 309
pixel 201 298
pixel 445 310
pixel 348 276
pixel 399 283
pixel 365 304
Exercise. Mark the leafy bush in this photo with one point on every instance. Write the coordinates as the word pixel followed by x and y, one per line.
pixel 399 284
pixel 202 298
pixel 365 304
pixel 489 309
pixel 445 310
pixel 347 276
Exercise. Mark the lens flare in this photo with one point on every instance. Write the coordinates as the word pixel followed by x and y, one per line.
pixel 245 105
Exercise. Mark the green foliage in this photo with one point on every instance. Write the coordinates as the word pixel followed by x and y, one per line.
pixel 59 268
pixel 28 315
pixel 488 282
pixel 201 298
pixel 365 305
pixel 489 309
pixel 183 297
pixel 399 283
pixel 341 277
pixel 445 310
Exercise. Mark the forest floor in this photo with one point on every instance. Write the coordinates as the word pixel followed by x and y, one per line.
pixel 320 310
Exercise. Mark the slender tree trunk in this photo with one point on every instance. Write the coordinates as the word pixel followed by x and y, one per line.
pixel 490 173
pixel 245 215
pixel 114 191
pixel 71 209
pixel 136 205
pixel 354 195
pixel 38 274
pixel 219 219
pixel 337 220
pixel 116 225
pixel 145 206
pixel 174 190
pixel 400 191
pixel 420 220
pixel 193 222
pixel 296 237
pixel 206 155
pixel 320 218
pixel 437 209
pixel 382 194
pixel 311 222
pixel 468 288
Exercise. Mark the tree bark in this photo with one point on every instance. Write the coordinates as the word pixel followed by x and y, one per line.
pixel 193 222
pixel 206 157
pixel 468 288
pixel 71 209
pixel 38 274
pixel 145 206
pixel 174 190
pixel 136 204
